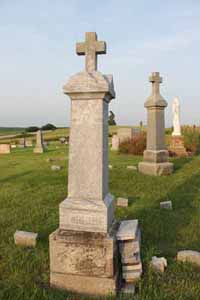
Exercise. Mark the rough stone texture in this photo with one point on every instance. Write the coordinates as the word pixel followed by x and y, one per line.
pixel 155 156
pixel 122 202
pixel 189 256
pixel 158 264
pixel 128 230
pixel 115 142
pixel 87 254
pixel 132 276
pixel 83 251
pixel 177 146
pixel 166 205
pixel 25 239
pixel 84 284
pixel 39 148
pixel 5 149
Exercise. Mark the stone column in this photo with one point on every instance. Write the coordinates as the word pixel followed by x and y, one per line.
pixel 155 156
pixel 82 250
pixel 39 147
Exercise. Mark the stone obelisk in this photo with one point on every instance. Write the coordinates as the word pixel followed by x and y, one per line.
pixel 177 142
pixel 83 248
pixel 155 156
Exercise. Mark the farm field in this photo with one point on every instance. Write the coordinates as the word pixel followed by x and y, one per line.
pixel 30 193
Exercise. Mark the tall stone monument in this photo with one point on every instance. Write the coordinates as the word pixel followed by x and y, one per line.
pixel 83 250
pixel 39 148
pixel 177 142
pixel 155 156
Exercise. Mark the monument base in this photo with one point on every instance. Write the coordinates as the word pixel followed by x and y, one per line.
pixel 38 150
pixel 156 169
pixel 93 216
pixel 177 146
pixel 84 262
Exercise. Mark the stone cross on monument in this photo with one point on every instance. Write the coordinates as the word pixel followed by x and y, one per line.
pixel 91 48
pixel 83 248
pixel 155 156
pixel 156 80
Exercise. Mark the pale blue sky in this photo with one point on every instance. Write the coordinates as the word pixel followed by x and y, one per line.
pixel 37 56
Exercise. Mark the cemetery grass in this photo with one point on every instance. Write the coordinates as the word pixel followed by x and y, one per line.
pixel 29 197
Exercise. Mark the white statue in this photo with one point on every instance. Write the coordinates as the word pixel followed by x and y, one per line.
pixel 176 117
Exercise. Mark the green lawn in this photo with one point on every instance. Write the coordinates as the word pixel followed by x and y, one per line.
pixel 29 197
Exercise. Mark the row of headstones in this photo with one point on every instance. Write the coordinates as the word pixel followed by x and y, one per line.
pixel 23 143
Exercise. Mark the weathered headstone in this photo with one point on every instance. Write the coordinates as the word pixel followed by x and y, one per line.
pixel 5 149
pixel 82 250
pixel 177 141
pixel 39 148
pixel 22 143
pixel 29 143
pixel 155 156
pixel 115 142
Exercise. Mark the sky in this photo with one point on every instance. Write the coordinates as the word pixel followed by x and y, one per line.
pixel 37 56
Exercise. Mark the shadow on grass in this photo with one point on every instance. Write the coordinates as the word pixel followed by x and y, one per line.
pixel 14 177
pixel 179 162
pixel 167 231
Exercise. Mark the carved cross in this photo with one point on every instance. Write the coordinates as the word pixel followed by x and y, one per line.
pixel 91 48
pixel 156 80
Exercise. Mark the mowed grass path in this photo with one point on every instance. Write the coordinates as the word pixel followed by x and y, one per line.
pixel 29 197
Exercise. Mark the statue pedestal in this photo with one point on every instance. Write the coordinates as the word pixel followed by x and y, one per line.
pixel 177 146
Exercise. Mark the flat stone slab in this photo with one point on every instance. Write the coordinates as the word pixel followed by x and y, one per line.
pixel 127 230
pixel 132 168
pixel 137 267
pixel 189 256
pixel 166 205
pixel 131 276
pixel 122 202
pixel 25 239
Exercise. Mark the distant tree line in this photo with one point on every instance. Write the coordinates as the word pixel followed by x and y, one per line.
pixel 43 128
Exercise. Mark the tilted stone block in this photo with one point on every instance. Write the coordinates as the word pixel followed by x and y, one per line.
pixel 189 256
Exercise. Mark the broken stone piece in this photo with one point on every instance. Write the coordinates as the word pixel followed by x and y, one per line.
pixel 128 248
pixel 25 239
pixel 189 256
pixel 55 168
pixel 122 202
pixel 158 264
pixel 166 205
pixel 128 230
pixel 132 168
pixel 132 276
